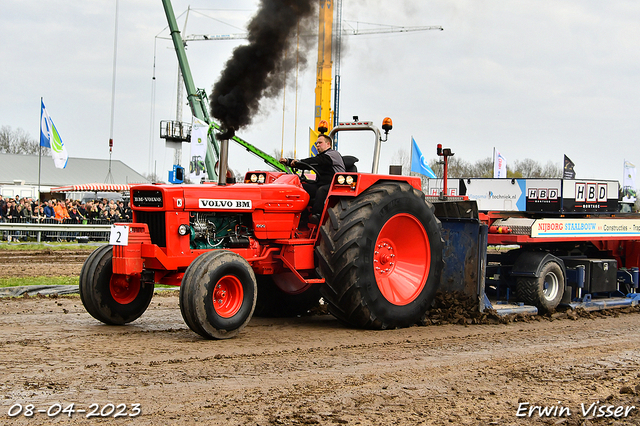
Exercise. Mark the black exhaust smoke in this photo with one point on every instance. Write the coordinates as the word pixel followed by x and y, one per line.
pixel 257 70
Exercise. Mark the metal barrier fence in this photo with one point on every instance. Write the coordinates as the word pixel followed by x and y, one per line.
pixel 52 230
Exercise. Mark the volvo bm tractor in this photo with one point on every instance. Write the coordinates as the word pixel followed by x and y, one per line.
pixel 236 249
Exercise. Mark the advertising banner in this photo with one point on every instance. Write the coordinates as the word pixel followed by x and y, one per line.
pixel 199 140
pixel 553 228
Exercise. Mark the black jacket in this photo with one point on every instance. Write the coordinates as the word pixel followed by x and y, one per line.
pixel 326 164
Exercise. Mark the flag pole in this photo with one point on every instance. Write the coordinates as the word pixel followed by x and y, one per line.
pixel 411 157
pixel 494 163
pixel 40 154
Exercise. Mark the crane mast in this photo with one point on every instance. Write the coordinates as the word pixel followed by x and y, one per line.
pixel 197 98
pixel 323 72
pixel 338 51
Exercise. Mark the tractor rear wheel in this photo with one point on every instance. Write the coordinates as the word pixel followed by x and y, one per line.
pixel 218 294
pixel 381 256
pixel 112 298
pixel 284 295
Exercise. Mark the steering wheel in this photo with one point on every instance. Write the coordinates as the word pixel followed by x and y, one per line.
pixel 301 175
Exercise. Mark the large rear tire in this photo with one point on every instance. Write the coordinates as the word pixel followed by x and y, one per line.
pixel 112 298
pixel 284 296
pixel 544 292
pixel 381 256
pixel 218 294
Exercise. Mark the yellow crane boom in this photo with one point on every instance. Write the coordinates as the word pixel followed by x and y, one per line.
pixel 323 73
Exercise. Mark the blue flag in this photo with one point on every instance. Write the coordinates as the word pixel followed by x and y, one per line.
pixel 418 162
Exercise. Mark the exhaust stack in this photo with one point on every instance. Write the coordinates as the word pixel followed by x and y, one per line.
pixel 224 154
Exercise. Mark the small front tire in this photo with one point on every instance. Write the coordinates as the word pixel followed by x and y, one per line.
pixel 218 294
pixel 112 298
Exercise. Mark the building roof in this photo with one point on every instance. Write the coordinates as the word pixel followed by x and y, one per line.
pixel 78 171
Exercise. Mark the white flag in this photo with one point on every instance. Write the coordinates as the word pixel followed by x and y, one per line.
pixel 629 183
pixel 199 141
pixel 629 180
pixel 50 138
pixel 499 165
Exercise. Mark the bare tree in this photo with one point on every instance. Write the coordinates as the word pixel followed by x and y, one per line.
pixel 551 170
pixel 18 142
pixel 402 158
pixel 482 168
pixel 527 168
pixel 456 167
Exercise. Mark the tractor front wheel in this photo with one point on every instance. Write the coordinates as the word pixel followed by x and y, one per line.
pixel 218 294
pixel 112 298
pixel 381 256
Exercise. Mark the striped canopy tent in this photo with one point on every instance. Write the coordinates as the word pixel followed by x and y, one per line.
pixel 93 187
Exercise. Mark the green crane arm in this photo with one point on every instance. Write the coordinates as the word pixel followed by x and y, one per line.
pixel 199 104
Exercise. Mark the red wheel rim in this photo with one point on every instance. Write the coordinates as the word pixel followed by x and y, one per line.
pixel 124 288
pixel 402 259
pixel 227 296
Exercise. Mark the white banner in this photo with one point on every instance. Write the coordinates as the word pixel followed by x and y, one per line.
pixel 629 180
pixel 499 165
pixel 199 140
pixel 629 183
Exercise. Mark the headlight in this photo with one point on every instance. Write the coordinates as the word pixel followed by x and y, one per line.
pixel 254 178
pixel 261 178
pixel 341 180
pixel 183 230
pixel 349 180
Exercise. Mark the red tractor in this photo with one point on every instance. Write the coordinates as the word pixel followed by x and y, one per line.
pixel 239 248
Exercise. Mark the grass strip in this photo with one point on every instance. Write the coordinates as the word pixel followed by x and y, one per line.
pixel 15 282
pixel 27 246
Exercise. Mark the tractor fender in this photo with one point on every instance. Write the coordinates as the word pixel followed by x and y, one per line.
pixel 530 263
pixel 366 180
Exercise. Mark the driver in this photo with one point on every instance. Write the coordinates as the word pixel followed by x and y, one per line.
pixel 327 163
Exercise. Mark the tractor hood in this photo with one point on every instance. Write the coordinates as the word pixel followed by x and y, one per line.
pixel 285 194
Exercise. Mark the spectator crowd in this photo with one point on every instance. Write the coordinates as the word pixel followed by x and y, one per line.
pixel 28 210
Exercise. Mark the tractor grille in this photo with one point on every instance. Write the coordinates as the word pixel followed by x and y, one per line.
pixel 156 223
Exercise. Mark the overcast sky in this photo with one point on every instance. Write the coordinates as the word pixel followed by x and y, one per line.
pixel 534 79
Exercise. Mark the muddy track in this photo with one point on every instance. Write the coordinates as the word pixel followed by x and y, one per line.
pixel 314 371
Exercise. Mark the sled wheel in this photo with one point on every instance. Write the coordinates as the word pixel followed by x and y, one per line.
pixel 381 256
pixel 112 298
pixel 284 295
pixel 544 292
pixel 218 294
